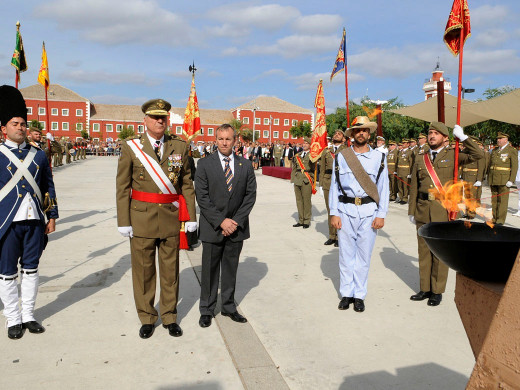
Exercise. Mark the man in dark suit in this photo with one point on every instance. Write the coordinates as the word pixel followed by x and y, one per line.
pixel 225 187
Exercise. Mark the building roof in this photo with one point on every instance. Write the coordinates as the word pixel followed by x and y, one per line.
pixel 116 112
pixel 56 92
pixel 208 116
pixel 271 103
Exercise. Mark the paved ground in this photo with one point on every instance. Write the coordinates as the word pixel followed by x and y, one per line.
pixel 287 288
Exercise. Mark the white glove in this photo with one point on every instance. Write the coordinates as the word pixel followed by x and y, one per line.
pixel 321 191
pixel 126 231
pixel 49 136
pixel 412 219
pixel 190 227
pixel 477 184
pixel 395 173
pixel 509 184
pixel 409 176
pixel 459 133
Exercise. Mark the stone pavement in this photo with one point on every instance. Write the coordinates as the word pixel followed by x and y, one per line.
pixel 287 288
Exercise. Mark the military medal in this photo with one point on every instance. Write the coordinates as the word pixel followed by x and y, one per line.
pixel 174 167
pixel 141 175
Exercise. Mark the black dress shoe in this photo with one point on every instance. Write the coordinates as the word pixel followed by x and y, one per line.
pixel 403 202
pixel 421 296
pixel 173 329
pixel 359 305
pixel 205 320
pixel 435 300
pixel 15 332
pixel 306 226
pixel 345 303
pixel 235 316
pixel 146 331
pixel 336 243
pixel 297 224
pixel 33 327
pixel 330 241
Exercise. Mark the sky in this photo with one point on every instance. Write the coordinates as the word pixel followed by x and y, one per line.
pixel 129 51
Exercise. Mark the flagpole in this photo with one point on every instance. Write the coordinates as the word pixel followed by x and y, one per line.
pixel 17 71
pixel 459 102
pixel 346 78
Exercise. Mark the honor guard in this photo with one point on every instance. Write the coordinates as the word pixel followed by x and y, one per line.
pixel 431 171
pixel 326 162
pixel 404 169
pixel 503 166
pixel 473 174
pixel 302 176
pixel 391 160
pixel 27 199
pixel 277 153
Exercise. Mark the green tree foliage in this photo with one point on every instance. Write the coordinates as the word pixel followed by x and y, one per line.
pixel 301 130
pixel 84 134
pixel 37 124
pixel 237 125
pixel 126 132
pixel 246 134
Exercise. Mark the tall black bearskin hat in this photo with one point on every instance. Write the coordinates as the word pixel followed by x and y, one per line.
pixel 12 104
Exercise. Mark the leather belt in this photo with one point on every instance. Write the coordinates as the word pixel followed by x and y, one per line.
pixel 357 201
pixel 501 168
pixel 403 166
pixel 470 170
pixel 426 196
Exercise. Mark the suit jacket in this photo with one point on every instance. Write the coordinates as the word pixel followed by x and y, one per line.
pixel 216 203
pixel 152 220
pixel 425 210
pixel 291 152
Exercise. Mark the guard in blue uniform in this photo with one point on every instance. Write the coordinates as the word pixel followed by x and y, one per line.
pixel 27 198
pixel 358 201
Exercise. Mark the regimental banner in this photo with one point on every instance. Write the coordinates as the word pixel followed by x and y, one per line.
pixel 340 63
pixel 191 126
pixel 19 61
pixel 43 75
pixel 319 137
pixel 459 19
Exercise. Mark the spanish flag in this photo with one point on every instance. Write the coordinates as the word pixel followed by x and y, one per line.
pixel 18 60
pixel 43 75
pixel 319 137
pixel 458 20
pixel 191 127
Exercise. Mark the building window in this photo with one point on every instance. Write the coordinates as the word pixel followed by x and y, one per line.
pixel 41 110
pixel 119 127
pixel 79 112
pixel 294 122
pixel 202 131
pixel 65 112
pixel 110 128
pixel 79 126
pixel 257 121
pixel 54 125
pixel 275 134
pixel 140 129
pixel 54 111
pixel 29 110
pixel 245 121
pixel 276 121
pixel 210 131
pixel 43 125
pixel 178 130
pixel 266 121
pixel 286 122
pixel 131 127
pixel 65 126
pixel 266 133
pixel 305 122
pixel 95 127
pixel 285 134
pixel 294 137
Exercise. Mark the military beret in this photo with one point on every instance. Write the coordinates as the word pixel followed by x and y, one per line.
pixel 307 139
pixel 502 135
pixel 440 127
pixel 33 128
pixel 156 107
pixel 339 131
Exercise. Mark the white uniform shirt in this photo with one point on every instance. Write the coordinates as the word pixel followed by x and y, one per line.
pixel 153 140
pixel 231 162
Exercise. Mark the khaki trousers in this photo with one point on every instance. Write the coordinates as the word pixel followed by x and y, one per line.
pixel 433 273
pixel 333 233
pixel 303 203
pixel 144 277
pixel 287 162
pixel 499 204
pixel 402 188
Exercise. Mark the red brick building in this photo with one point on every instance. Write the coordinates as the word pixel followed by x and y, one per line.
pixel 271 118
pixel 430 85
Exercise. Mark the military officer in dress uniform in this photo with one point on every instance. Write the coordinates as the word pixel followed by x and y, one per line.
pixel 27 198
pixel 391 159
pixel 473 174
pixel 326 162
pixel 277 153
pixel 404 169
pixel 423 208
pixel 155 208
pixel 302 176
pixel 503 166
pixel 380 144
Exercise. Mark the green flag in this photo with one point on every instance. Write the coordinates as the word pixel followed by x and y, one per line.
pixel 18 60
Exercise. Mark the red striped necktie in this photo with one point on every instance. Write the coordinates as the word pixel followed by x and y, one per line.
pixel 228 173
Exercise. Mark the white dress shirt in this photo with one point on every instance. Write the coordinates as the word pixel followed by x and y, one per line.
pixel 153 140
pixel 231 162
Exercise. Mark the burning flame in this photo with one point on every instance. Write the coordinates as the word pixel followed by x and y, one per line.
pixel 456 197
pixel 372 112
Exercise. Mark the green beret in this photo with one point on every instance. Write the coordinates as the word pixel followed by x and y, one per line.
pixel 156 107
pixel 440 127
pixel 33 128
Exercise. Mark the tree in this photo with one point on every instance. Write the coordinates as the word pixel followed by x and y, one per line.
pixel 126 132
pixel 37 124
pixel 84 134
pixel 246 134
pixel 301 130
pixel 236 124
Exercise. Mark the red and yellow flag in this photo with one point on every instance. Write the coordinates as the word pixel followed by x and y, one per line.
pixel 319 136
pixel 191 127
pixel 43 75
pixel 458 20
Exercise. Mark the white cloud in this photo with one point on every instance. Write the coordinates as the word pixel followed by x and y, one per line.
pixel 492 61
pixel 318 24
pixel 120 21
pixel 309 80
pixel 82 76
pixel 295 46
pixel 488 15
pixel 231 51
pixel 492 37
pixel 269 73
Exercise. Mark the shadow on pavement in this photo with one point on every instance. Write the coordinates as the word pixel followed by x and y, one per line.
pixel 187 297
pixel 330 268
pixel 402 265
pixel 250 273
pixel 424 376
pixel 79 216
pixel 198 386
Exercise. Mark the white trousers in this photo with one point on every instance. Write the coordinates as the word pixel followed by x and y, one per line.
pixel 356 241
